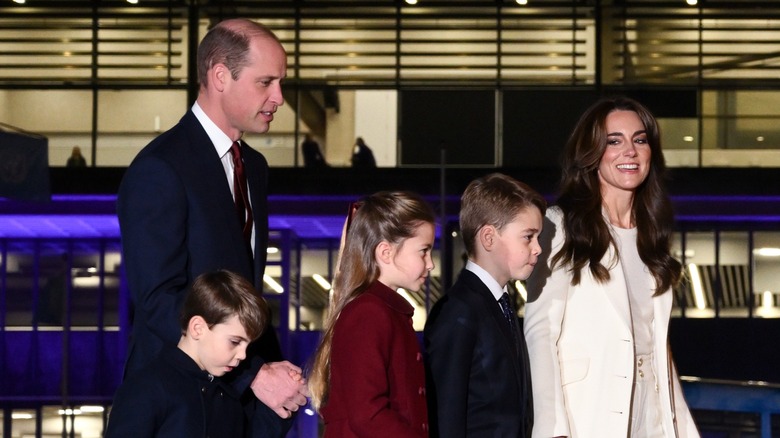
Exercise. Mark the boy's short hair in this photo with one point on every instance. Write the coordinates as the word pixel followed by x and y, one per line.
pixel 495 199
pixel 217 296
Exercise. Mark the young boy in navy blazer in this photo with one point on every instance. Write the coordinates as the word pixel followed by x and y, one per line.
pixel 181 394
pixel 477 371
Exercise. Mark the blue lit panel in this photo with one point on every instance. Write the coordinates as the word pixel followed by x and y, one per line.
pixel 107 226
pixel 309 227
pixel 58 226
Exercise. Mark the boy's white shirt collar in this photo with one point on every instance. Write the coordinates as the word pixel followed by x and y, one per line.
pixel 496 289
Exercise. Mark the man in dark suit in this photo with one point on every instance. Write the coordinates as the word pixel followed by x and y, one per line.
pixel 477 369
pixel 182 211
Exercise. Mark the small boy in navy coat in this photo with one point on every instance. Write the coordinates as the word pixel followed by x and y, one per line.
pixel 180 394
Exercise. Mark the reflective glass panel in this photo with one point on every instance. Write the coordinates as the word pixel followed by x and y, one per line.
pixel 766 273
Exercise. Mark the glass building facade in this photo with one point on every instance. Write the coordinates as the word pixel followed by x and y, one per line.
pixel 442 91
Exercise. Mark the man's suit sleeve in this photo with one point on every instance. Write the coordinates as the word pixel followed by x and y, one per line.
pixel 264 422
pixel 136 410
pixel 450 337
pixel 152 210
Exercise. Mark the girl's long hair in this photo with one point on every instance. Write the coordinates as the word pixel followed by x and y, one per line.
pixel 587 234
pixel 383 216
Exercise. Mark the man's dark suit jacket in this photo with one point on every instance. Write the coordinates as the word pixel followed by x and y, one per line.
pixel 478 382
pixel 178 220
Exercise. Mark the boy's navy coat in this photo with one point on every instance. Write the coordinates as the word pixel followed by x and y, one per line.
pixel 173 398
pixel 478 383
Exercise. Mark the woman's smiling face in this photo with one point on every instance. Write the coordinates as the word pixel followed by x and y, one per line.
pixel 626 160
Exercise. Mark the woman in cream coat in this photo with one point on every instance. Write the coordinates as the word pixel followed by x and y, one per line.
pixel 600 301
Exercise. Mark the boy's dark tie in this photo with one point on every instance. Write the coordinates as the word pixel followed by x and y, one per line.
pixel 510 317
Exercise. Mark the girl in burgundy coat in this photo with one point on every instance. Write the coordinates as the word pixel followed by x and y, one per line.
pixel 368 379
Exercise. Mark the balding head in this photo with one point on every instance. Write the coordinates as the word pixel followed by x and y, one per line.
pixel 228 43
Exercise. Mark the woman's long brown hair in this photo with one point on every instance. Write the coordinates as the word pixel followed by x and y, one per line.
pixel 587 235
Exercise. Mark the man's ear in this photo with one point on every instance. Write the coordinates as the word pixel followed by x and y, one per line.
pixel 486 237
pixel 197 327
pixel 218 75
pixel 384 252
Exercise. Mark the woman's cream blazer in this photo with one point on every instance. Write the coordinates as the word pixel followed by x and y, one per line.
pixel 581 348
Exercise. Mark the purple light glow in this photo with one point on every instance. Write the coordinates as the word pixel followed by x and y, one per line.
pixel 314 217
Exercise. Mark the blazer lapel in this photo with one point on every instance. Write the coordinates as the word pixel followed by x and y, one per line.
pixel 662 312
pixel 493 309
pixel 256 180
pixel 213 179
pixel 616 288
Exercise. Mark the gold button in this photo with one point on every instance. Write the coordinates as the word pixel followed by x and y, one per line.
pixel 641 373
pixel 640 361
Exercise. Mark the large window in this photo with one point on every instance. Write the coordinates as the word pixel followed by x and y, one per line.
pixel 110 78
pixel 728 274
